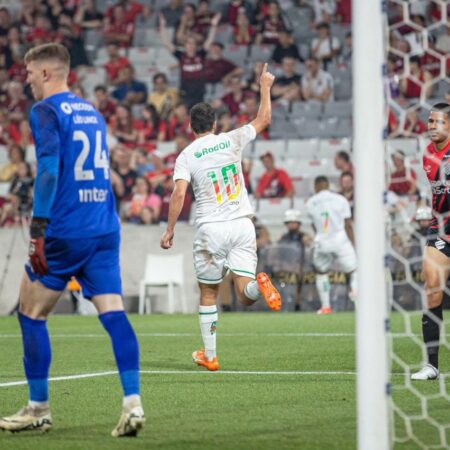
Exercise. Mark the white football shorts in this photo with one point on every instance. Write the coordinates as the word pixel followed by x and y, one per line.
pixel 223 246
pixel 339 250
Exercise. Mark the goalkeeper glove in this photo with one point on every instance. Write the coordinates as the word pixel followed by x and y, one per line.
pixel 37 243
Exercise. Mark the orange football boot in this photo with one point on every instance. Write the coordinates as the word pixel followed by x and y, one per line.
pixel 200 359
pixel 325 310
pixel 269 291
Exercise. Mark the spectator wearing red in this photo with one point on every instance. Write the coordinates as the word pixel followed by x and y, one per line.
pixel 153 129
pixel 285 47
pixel 41 32
pixel 129 90
pixel 344 12
pixel 164 190
pixel 88 17
pixel 403 179
pixel 235 7
pixel 430 59
pixel 115 62
pixel 131 11
pixel 191 62
pixel 124 127
pixel 15 102
pixel 117 28
pixel 18 71
pixel 234 99
pixel 244 32
pixel 417 83
pixel 249 111
pixel 181 142
pixel 343 163
pixel 274 182
pixel 5 20
pixel 203 17
pixel 179 123
pixel 104 103
pixel 414 126
pixel 187 26
pixel 271 25
pixel 219 69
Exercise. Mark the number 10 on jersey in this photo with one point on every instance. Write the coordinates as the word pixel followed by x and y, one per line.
pixel 223 178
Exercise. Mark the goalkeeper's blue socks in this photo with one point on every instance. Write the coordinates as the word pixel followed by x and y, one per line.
pixel 126 349
pixel 37 356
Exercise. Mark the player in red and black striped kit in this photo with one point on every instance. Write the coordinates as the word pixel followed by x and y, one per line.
pixel 436 263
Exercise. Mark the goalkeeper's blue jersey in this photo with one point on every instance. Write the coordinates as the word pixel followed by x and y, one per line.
pixel 70 128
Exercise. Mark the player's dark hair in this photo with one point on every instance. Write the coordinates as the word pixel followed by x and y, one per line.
pixel 414 59
pixel 53 51
pixel 441 107
pixel 202 118
pixel 343 155
pixel 321 179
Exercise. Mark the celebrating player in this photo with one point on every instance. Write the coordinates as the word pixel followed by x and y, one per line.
pixel 225 236
pixel 331 217
pixel 74 231
pixel 436 260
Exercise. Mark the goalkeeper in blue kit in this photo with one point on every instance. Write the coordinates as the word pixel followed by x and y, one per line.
pixel 74 231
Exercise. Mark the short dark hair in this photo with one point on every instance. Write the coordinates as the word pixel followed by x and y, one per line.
pixel 52 51
pixel 159 75
pixel 202 118
pixel 321 179
pixel 441 107
pixel 100 87
pixel 346 174
pixel 342 154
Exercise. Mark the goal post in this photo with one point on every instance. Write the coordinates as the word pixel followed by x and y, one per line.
pixel 371 316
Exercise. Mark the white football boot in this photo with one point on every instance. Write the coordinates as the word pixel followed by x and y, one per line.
pixel 131 421
pixel 427 372
pixel 28 418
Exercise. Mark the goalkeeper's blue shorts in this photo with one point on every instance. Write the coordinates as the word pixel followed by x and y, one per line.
pixel 93 261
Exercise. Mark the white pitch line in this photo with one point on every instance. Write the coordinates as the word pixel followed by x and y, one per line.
pixel 104 335
pixel 182 372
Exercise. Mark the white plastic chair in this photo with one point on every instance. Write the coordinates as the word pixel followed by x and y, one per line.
pixel 161 271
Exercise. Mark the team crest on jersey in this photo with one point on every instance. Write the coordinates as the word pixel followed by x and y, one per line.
pixel 440 244
pixel 66 108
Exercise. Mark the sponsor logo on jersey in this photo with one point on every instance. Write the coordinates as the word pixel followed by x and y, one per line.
pixel 216 148
pixel 66 108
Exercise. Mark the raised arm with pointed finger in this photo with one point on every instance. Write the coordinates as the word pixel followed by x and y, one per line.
pixel 264 116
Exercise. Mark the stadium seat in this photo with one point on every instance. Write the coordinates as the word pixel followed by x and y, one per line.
pixel 303 187
pixel 3 154
pixel 224 34
pixel 344 128
pixel 163 271
pixel 145 56
pixel 276 147
pixel 338 109
pixel 302 148
pixel 306 109
pixel 283 129
pixel 270 211
pixel 342 89
pixel 409 146
pixel 4 189
pixel 329 147
pixel 236 53
pixel 260 52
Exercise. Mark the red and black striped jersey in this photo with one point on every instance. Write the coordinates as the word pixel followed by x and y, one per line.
pixel 436 164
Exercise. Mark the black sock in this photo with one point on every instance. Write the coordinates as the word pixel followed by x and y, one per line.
pixel 430 331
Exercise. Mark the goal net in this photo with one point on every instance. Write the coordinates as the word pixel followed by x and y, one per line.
pixel 417 38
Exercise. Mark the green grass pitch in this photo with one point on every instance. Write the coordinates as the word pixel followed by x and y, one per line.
pixel 287 381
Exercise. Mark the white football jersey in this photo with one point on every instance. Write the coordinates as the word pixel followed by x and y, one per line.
pixel 328 212
pixel 213 165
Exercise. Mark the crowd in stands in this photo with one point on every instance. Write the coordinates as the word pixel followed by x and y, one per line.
pixel 308 43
